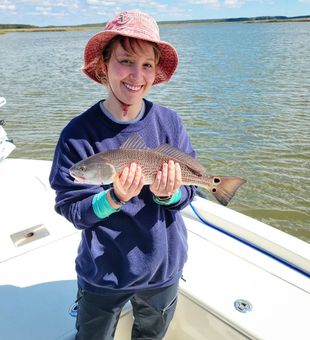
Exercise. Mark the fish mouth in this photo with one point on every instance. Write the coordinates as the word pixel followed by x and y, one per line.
pixel 78 179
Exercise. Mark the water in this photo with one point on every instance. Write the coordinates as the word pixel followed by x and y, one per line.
pixel 242 90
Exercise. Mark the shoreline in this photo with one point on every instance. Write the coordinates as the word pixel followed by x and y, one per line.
pixel 47 29
pixel 168 23
pixel 210 22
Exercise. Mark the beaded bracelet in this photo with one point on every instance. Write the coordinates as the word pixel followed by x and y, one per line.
pixel 115 199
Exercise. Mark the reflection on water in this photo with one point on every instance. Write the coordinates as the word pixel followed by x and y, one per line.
pixel 242 91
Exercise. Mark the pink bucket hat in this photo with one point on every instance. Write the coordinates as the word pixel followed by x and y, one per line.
pixel 133 24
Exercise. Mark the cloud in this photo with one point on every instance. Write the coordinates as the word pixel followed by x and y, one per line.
pixel 7 5
pixel 234 3
pixel 49 11
pixel 108 3
pixel 159 10
pixel 39 7
pixel 211 3
pixel 219 3
pixel 55 8
pixel 101 2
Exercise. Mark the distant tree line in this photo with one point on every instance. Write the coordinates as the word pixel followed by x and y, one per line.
pixel 14 26
pixel 243 19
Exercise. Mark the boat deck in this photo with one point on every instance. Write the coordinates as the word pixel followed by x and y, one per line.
pixel 38 286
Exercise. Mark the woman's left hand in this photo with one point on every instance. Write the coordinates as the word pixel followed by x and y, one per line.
pixel 168 180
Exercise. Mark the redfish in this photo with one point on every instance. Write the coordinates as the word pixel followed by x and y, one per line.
pixel 101 168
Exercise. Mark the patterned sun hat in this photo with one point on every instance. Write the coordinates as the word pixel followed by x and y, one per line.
pixel 133 24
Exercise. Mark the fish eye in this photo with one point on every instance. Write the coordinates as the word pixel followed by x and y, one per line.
pixel 82 168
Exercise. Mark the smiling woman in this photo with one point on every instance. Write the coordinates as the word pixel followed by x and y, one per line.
pixel 128 57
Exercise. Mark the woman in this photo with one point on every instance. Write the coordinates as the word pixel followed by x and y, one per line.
pixel 134 242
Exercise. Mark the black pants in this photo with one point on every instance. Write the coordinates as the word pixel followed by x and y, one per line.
pixel 152 309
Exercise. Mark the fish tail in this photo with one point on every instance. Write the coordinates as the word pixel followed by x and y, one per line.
pixel 223 188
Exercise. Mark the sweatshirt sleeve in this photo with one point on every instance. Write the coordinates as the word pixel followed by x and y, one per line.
pixel 73 200
pixel 183 143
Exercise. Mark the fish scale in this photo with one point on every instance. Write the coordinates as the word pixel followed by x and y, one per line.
pixel 150 161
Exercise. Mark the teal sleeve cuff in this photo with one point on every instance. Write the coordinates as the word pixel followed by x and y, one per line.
pixel 102 208
pixel 175 198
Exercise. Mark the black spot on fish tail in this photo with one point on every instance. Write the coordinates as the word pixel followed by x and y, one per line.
pixel 225 187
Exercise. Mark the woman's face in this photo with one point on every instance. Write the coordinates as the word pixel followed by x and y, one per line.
pixel 131 74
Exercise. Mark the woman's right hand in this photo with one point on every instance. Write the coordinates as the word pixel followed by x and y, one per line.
pixel 129 183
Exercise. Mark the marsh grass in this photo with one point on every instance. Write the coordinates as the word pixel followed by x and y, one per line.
pixel 48 29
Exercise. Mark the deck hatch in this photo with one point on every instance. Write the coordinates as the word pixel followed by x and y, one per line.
pixel 29 235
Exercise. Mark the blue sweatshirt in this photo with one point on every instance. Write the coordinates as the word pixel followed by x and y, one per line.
pixel 142 246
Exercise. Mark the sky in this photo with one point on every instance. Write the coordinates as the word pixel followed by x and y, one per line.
pixel 75 12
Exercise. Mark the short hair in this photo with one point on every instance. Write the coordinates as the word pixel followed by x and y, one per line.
pixel 129 45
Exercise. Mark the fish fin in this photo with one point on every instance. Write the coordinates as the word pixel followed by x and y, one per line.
pixel 134 141
pixel 223 188
pixel 181 157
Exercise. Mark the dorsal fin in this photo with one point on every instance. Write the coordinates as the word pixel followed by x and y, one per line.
pixel 134 141
pixel 181 157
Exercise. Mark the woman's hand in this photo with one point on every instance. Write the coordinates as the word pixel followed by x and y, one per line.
pixel 129 183
pixel 168 180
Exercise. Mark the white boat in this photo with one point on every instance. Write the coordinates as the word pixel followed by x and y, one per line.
pixel 6 145
pixel 243 279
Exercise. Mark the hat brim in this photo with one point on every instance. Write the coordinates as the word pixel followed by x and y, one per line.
pixel 166 66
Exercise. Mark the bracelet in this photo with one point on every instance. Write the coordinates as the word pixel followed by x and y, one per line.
pixel 115 199
pixel 168 200
pixel 163 199
pixel 102 208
